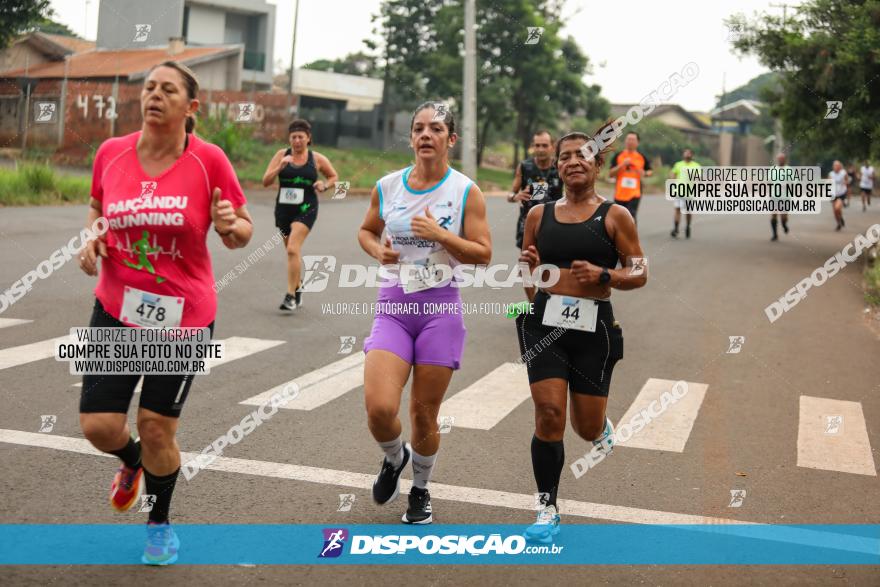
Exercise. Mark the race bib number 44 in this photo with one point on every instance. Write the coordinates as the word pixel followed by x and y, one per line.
pixel 425 274
pixel 571 313
pixel 291 196
pixel 149 310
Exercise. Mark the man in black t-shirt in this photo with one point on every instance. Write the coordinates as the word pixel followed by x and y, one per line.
pixel 536 180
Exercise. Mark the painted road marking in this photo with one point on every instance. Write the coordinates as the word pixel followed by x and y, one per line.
pixel 832 435
pixel 671 430
pixel 7 322
pixel 319 386
pixel 28 353
pixel 489 400
pixel 471 495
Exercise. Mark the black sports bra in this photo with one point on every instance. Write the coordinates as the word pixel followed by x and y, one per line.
pixel 561 243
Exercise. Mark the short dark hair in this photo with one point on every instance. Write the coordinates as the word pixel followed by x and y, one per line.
pixel 301 125
pixel 543 131
pixel 448 120
pixel 190 81
pixel 632 132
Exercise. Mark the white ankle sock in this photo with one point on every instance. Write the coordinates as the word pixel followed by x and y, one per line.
pixel 422 468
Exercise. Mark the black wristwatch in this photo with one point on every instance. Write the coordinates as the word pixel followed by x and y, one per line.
pixel 605 276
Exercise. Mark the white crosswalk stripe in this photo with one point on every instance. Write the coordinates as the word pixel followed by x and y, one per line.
pixel 489 400
pixel 321 385
pixel 671 429
pixel 832 435
pixel 28 353
pixel 7 322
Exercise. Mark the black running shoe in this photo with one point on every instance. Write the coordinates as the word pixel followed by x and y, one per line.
pixel 386 487
pixel 687 232
pixel 419 511
pixel 298 296
pixel 674 233
pixel 289 303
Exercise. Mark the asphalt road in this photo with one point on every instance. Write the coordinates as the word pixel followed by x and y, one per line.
pixel 700 292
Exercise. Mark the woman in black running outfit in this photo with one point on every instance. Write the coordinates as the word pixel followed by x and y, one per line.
pixel 571 342
pixel 296 205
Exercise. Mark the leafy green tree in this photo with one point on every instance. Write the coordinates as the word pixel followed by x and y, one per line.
pixel 828 50
pixel 520 87
pixel 51 27
pixel 17 16
pixel 358 63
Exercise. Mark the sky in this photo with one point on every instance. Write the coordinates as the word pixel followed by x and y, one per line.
pixel 633 46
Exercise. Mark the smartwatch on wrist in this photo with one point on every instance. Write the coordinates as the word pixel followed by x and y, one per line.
pixel 605 276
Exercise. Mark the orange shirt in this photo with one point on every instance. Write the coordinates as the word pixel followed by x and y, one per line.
pixel 629 181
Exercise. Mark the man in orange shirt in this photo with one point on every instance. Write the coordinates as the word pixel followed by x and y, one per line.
pixel 629 167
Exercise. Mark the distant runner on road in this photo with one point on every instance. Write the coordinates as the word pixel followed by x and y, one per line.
pixel 679 172
pixel 536 180
pixel 630 167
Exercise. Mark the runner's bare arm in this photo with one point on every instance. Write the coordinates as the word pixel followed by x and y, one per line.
pixel 476 245
pixel 371 231
pixel 88 260
pixel 626 240
pixel 234 226
pixel 530 238
pixel 273 169
pixel 326 168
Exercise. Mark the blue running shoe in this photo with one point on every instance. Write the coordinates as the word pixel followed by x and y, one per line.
pixel 545 528
pixel 606 441
pixel 162 545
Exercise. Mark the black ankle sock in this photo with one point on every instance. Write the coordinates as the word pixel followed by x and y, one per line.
pixel 162 488
pixel 130 453
pixel 548 459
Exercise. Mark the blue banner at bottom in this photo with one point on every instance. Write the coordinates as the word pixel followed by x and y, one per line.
pixel 576 544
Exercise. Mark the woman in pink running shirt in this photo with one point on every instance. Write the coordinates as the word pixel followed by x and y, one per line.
pixel 161 190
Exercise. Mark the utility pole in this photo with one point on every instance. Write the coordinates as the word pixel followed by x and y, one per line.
pixel 784 8
pixel 469 151
pixel 292 55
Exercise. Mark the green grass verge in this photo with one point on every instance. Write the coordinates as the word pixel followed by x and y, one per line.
pixel 361 167
pixel 39 185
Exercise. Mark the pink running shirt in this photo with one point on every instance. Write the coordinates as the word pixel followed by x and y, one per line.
pixel 157 241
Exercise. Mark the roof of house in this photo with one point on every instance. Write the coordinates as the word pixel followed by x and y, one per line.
pixel 660 109
pixel 743 109
pixel 126 63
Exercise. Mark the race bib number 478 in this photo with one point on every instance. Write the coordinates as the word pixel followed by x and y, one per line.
pixel 149 310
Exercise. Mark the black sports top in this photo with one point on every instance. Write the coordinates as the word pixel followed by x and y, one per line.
pixel 561 243
pixel 300 176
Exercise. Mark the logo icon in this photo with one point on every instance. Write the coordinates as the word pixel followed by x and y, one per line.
pixel 834 108
pixel 735 31
pixel 346 500
pixel 737 496
pixel 147 188
pixel 334 540
pixel 47 423
pixel 346 344
pixel 534 36
pixel 317 272
pixel 833 424
pixel 45 112
pixel 440 112
pixel 539 190
pixel 148 500
pixel 445 424
pixel 639 264
pixel 141 31
pixel 541 501
pixel 245 112
pixel 736 344
pixel 342 188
